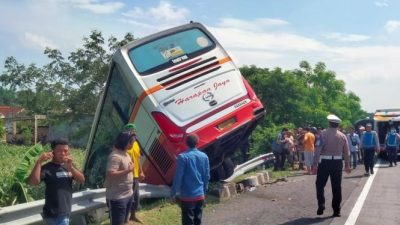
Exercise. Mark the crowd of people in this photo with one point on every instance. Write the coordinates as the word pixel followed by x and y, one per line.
pixel 326 152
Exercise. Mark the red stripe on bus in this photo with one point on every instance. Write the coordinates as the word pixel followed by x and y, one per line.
pixel 184 65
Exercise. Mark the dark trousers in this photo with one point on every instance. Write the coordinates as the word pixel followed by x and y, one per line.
pixel 392 154
pixel 192 212
pixel 119 210
pixel 135 201
pixel 332 169
pixel 369 154
pixel 278 160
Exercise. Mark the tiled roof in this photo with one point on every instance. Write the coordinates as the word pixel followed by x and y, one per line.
pixel 9 111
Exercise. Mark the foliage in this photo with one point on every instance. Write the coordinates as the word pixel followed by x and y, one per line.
pixel 2 129
pixel 301 97
pixel 66 85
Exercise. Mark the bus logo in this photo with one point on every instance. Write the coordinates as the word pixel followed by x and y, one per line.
pixel 208 96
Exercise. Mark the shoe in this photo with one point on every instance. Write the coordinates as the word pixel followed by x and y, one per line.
pixel 336 214
pixel 390 165
pixel 372 172
pixel 366 174
pixel 320 210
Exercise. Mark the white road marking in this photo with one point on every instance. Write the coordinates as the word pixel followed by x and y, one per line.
pixel 351 220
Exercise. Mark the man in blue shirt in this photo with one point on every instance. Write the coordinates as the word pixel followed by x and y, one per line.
pixel 191 182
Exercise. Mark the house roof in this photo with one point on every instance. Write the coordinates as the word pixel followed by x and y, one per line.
pixel 10 111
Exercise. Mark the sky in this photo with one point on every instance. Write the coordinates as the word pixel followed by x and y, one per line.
pixel 358 39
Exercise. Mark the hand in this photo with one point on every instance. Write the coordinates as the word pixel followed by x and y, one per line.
pixel 141 176
pixel 347 169
pixel 314 170
pixel 68 163
pixel 130 167
pixel 45 156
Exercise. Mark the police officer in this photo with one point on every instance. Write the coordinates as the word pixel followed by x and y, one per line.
pixel 328 162
pixel 370 145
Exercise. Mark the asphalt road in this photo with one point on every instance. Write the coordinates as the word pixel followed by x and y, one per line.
pixel 366 200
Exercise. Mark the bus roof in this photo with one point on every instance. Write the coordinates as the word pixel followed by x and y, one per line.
pixel 382 115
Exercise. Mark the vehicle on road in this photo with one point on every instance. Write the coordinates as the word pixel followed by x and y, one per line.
pixel 170 84
pixel 384 119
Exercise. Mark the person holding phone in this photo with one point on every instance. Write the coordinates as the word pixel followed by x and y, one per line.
pixel 58 175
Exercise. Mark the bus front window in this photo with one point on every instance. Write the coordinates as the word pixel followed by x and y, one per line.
pixel 163 52
pixel 117 106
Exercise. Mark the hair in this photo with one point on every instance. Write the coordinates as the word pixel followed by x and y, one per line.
pixel 307 128
pixel 58 141
pixel 333 124
pixel 192 140
pixel 123 139
pixel 284 129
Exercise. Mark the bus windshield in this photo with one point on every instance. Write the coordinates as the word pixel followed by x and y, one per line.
pixel 167 51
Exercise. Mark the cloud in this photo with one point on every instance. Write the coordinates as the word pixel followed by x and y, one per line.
pixel 93 5
pixel 361 66
pixel 37 41
pixel 392 25
pixel 104 8
pixel 253 25
pixel 346 37
pixel 164 15
pixel 382 3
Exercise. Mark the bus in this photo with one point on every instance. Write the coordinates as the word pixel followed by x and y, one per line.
pixel 171 84
pixel 384 119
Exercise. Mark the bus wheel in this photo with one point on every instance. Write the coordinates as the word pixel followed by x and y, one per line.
pixel 217 174
pixel 228 167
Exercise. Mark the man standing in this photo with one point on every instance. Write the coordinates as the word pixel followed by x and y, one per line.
pixel 328 162
pixel 308 143
pixel 391 143
pixel 191 182
pixel 370 145
pixel 57 176
pixel 354 142
pixel 138 174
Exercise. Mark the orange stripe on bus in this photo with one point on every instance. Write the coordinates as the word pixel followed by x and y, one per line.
pixel 224 60
pixel 157 88
pixel 141 98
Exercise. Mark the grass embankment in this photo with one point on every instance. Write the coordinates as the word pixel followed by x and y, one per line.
pixel 163 212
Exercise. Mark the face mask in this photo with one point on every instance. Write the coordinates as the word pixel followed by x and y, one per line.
pixel 393 131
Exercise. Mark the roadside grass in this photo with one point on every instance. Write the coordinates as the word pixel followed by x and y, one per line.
pixel 163 212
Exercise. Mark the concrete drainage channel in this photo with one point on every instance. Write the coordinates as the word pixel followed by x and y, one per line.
pixel 231 189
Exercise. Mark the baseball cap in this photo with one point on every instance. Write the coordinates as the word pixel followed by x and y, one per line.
pixel 130 126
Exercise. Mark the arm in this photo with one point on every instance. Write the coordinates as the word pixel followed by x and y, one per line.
pixel 177 182
pixel 34 177
pixel 206 176
pixel 346 155
pixel 76 174
pixel 377 147
pixel 113 167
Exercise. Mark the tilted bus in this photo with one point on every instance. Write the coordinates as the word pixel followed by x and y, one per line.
pixel 170 84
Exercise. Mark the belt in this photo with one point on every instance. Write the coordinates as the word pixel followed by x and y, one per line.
pixel 331 157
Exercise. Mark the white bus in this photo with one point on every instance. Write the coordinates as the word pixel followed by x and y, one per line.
pixel 170 84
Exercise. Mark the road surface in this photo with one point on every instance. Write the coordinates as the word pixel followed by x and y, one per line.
pixel 366 200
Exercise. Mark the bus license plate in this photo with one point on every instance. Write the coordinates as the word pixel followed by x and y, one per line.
pixel 226 123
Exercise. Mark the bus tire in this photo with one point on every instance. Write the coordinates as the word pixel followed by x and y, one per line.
pixel 228 167
pixel 217 174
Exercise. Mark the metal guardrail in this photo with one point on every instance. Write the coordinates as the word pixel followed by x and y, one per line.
pixel 249 165
pixel 92 199
pixel 83 202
